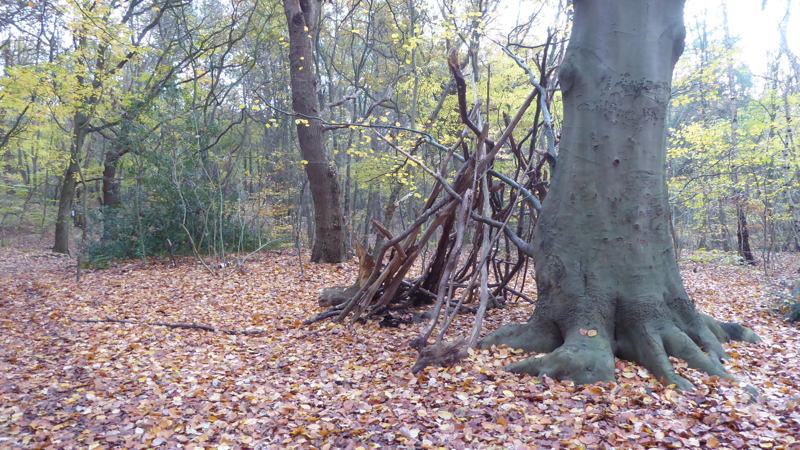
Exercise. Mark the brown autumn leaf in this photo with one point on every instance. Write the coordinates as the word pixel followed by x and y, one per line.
pixel 332 386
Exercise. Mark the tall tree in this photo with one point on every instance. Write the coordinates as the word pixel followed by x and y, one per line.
pixel 742 231
pixel 608 282
pixel 790 147
pixel 302 17
pixel 98 60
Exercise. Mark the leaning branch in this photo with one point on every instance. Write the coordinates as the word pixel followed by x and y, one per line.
pixel 6 136
pixel 548 119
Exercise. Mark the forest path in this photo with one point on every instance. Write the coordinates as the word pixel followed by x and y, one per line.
pixel 65 383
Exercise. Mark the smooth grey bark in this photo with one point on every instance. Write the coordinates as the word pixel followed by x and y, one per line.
pixel 329 234
pixel 607 279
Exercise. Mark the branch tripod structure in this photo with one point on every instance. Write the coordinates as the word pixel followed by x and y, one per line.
pixel 479 206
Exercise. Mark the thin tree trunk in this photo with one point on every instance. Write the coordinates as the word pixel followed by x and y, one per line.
pixel 743 237
pixel 329 239
pixel 61 244
pixel 742 234
pixel 725 235
pixel 789 154
pixel 111 198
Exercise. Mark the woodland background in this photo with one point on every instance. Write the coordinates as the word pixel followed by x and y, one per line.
pixel 163 127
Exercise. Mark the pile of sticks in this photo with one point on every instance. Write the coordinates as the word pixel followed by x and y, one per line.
pixel 478 205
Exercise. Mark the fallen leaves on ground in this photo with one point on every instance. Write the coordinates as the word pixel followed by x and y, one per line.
pixel 103 385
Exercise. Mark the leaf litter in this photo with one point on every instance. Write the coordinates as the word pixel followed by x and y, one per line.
pixel 128 384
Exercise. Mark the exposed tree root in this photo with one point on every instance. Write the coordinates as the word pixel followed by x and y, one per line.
pixel 581 359
pixel 185 326
pixel 587 355
pixel 731 331
pixel 540 337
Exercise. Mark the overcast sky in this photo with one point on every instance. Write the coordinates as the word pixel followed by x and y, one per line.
pixel 756 29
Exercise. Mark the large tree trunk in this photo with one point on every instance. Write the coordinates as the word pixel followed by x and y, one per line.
pixel 329 238
pixel 608 282
pixel 61 244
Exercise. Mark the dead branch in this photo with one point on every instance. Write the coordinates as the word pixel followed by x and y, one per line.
pixel 468 207
pixel 184 326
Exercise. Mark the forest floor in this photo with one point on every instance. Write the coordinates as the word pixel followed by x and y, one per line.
pixel 68 383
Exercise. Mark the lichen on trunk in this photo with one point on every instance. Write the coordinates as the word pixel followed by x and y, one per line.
pixel 607 277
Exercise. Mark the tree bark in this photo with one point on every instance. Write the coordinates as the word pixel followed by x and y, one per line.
pixel 80 129
pixel 725 235
pixel 743 237
pixel 68 183
pixel 111 198
pixel 329 239
pixel 607 279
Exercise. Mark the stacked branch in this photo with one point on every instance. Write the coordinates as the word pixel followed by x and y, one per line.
pixel 477 205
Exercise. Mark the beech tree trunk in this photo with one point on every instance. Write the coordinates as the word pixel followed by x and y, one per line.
pixel 329 235
pixel 607 279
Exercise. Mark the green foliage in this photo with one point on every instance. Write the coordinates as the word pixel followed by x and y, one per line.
pixel 180 203
pixel 714 256
pixel 158 230
pixel 731 146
